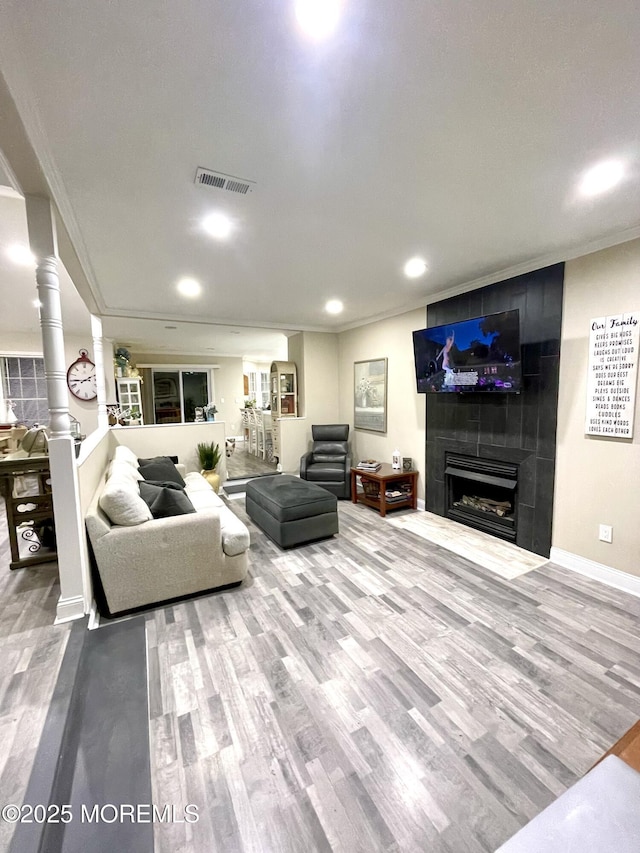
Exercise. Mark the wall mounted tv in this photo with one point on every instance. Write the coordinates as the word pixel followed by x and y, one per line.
pixel 482 354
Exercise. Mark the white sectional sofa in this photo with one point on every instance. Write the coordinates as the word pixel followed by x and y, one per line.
pixel 141 560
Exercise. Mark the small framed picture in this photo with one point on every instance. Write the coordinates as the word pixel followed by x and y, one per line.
pixel 407 463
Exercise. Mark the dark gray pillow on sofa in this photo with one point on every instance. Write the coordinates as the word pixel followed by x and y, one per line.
pixel 160 468
pixel 165 498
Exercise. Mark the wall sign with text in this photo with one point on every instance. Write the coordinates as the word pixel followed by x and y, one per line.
pixel 613 371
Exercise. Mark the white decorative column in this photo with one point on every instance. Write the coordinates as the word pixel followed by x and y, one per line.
pixel 73 568
pixel 109 374
pixel 42 237
pixel 98 358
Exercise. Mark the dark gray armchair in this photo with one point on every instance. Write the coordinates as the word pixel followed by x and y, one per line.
pixel 328 463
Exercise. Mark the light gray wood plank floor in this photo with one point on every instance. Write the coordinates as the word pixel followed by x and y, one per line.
pixel 376 692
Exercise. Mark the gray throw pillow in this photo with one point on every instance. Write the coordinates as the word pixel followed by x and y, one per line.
pixel 160 468
pixel 165 499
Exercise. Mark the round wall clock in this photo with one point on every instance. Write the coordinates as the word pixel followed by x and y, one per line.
pixel 81 377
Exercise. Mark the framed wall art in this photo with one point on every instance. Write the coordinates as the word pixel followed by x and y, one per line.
pixel 370 395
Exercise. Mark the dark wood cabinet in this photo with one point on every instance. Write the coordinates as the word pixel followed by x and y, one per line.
pixel 25 484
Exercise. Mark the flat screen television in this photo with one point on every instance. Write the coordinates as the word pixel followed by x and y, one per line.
pixel 482 354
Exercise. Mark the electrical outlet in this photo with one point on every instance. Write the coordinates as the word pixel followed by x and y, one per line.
pixel 606 533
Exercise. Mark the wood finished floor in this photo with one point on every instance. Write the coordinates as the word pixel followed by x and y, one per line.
pixel 376 692
pixel 32 651
pixel 241 464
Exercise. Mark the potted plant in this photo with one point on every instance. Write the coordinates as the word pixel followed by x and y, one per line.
pixel 209 456
pixel 210 411
pixel 122 361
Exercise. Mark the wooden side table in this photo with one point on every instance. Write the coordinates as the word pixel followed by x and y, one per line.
pixel 28 514
pixel 376 484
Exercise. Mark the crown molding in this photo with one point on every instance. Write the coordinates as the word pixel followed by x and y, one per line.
pixel 558 256
pixel 122 314
pixel 540 262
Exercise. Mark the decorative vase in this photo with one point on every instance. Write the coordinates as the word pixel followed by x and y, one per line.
pixel 213 478
pixel 211 416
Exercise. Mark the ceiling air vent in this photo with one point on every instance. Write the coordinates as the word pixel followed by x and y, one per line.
pixel 207 178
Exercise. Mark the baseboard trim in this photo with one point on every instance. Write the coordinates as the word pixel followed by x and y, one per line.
pixel 69 609
pixel 94 616
pixel 597 571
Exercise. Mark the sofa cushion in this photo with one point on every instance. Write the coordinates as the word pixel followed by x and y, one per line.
pixel 165 499
pixel 119 468
pixel 143 461
pixel 235 535
pixel 160 468
pixel 121 502
pixel 124 454
pixel 195 482
pixel 204 500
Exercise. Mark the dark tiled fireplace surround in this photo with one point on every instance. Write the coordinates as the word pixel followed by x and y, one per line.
pixel 516 429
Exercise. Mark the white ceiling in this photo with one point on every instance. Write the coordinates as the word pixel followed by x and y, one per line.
pixel 18 290
pixel 456 131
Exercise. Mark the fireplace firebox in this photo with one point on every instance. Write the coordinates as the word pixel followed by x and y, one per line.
pixel 482 493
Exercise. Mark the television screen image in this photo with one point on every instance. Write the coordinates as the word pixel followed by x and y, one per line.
pixel 482 354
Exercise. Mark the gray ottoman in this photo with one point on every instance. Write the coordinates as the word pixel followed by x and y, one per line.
pixel 291 511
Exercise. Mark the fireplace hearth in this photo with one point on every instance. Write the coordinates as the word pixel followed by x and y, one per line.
pixel 482 493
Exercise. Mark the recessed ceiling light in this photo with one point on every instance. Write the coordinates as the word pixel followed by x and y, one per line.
pixel 318 18
pixel 217 225
pixel 21 255
pixel 602 177
pixel 334 306
pixel 189 287
pixel 415 267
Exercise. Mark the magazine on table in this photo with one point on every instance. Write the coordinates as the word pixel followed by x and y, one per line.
pixel 369 465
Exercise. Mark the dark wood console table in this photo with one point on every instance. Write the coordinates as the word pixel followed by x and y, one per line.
pixel 30 512
pixel 376 484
